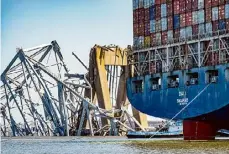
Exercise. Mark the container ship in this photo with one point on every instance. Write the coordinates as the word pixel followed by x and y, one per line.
pixel 180 63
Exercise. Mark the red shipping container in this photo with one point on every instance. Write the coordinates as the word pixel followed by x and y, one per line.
pixel 153 39
pixel 221 2
pixel 141 14
pixel 215 3
pixel 169 9
pixel 182 6
pixel 147 29
pixel 141 28
pixel 221 11
pixel 176 6
pixel 215 26
pixel 195 30
pixel 169 1
pixel 135 16
pixel 158 11
pixel 157 2
pixel 164 37
pixel 136 30
pixel 152 67
pixel 216 59
pixel 208 14
pixel 147 15
pixel 170 23
pixel 209 60
pixel 227 24
pixel 182 20
pixel 176 34
pixel 188 19
pixel 208 3
pixel 194 5
pixel 188 6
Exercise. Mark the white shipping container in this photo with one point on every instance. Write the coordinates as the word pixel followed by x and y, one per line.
pixel 146 3
pixel 201 16
pixel 215 13
pixel 182 33
pixel 141 4
pixel 194 17
pixel 170 36
pixel 200 4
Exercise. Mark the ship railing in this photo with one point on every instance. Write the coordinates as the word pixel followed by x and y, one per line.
pixel 186 38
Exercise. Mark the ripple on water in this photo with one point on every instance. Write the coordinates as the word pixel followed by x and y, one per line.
pixel 101 145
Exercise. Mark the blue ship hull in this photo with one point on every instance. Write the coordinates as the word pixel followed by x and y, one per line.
pixel 212 103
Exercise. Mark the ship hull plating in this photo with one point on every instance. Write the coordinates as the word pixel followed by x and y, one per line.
pixel 203 102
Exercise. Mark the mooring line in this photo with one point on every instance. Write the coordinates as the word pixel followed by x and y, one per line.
pixel 181 110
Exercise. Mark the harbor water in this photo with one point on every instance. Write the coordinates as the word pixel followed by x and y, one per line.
pixel 108 145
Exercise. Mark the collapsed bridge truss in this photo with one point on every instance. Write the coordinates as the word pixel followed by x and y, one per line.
pixel 40 96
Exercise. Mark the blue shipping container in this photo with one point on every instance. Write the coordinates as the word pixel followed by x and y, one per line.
pixel 208 28
pixel 136 41
pixel 152 26
pixel 176 21
pixel 201 16
pixel 222 25
pixel 201 29
pixel 227 11
pixel 135 4
pixel 141 41
pixel 152 2
pixel 163 10
pixel 146 3
pixel 164 24
pixel 188 31
pixel 152 13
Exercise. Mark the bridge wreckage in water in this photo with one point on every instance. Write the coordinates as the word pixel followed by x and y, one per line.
pixel 41 97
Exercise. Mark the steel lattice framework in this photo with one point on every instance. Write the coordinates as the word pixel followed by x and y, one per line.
pixel 195 51
pixel 40 96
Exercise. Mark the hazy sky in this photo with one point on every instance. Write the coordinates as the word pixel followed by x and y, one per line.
pixel 76 25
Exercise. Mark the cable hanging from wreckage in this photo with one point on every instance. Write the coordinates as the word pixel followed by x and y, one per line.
pixel 50 103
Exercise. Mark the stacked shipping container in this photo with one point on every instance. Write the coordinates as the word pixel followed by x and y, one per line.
pixel 158 22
